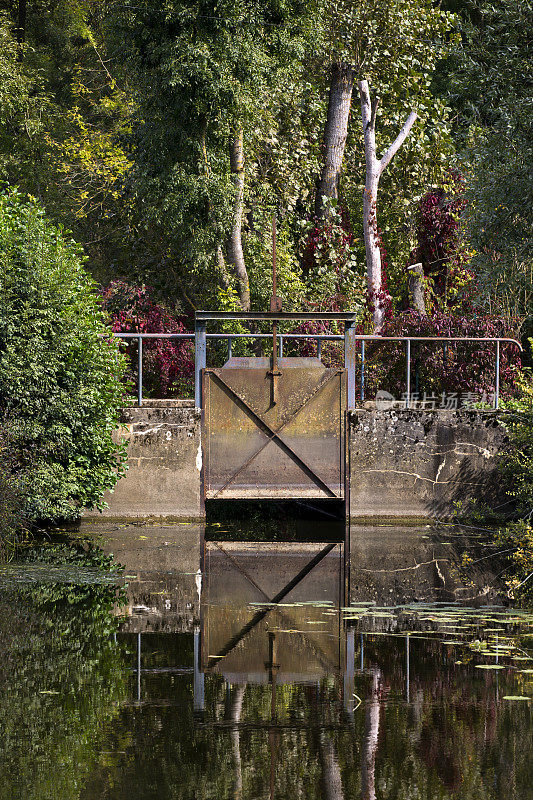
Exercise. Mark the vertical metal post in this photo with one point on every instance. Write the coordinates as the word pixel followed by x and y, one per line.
pixel 362 663
pixel 199 360
pixel 198 688
pixel 362 370
pixel 497 386
pixel 140 372
pixel 407 676
pixel 408 374
pixel 280 346
pixel 319 349
pixel 349 360
pixel 230 347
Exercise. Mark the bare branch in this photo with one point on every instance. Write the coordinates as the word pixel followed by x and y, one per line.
pixel 397 143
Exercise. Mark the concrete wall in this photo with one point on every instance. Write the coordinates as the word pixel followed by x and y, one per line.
pixel 417 464
pixel 402 463
pixel 164 463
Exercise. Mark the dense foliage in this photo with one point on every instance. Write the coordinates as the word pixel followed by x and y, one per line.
pixel 517 467
pixel 457 367
pixel 168 364
pixel 60 371
pixel 11 506
pixel 487 80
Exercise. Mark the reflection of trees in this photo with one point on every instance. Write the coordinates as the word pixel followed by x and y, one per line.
pixel 234 701
pixel 317 755
pixel 370 742
pixel 453 739
pixel 331 774
pixel 61 677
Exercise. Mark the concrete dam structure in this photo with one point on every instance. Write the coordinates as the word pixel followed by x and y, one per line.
pixel 400 464
pixel 292 428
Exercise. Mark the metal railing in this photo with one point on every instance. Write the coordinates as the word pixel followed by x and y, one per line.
pixel 350 339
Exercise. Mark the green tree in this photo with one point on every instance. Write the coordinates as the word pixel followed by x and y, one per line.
pixel 64 113
pixel 234 123
pixel 488 82
pixel 60 370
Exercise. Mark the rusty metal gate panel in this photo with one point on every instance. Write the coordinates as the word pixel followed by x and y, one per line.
pixel 254 448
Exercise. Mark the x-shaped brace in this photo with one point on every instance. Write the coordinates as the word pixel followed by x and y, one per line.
pixel 273 435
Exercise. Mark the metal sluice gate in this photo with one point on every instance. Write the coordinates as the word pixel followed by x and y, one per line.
pixel 274 430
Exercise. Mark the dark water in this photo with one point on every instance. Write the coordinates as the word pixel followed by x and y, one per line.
pixel 258 677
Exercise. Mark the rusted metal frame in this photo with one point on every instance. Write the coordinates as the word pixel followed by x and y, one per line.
pixel 260 615
pixel 274 436
pixel 275 307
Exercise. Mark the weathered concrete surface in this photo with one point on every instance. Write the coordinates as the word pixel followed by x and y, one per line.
pixel 403 464
pixel 161 565
pixel 164 463
pixel 419 464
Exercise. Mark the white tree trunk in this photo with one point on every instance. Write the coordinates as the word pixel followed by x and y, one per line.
pixel 234 246
pixel 374 169
pixel 233 713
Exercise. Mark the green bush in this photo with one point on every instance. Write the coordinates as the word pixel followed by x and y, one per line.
pixel 517 538
pixel 518 465
pixel 11 504
pixel 59 367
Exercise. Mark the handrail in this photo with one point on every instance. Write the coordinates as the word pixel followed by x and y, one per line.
pixel 349 337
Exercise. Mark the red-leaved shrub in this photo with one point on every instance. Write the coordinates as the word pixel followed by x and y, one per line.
pixel 168 364
pixel 464 368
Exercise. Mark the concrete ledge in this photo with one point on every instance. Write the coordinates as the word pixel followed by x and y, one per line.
pixel 164 465
pixel 420 464
pixel 175 403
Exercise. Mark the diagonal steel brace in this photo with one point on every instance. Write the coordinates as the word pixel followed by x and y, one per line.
pixel 273 435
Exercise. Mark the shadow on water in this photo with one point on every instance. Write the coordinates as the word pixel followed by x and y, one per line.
pixel 234 668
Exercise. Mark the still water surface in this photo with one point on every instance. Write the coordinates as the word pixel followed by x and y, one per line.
pixel 239 670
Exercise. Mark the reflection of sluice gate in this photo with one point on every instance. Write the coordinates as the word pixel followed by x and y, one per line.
pixel 271 615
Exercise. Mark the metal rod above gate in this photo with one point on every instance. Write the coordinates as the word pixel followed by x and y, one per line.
pixel 204 317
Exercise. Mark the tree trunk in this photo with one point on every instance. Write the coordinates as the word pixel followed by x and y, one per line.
pixel 335 133
pixel 415 283
pixel 331 772
pixel 234 245
pixel 374 169
pixel 233 713
pixel 21 25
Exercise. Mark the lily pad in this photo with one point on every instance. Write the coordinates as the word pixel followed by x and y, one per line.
pixel 516 697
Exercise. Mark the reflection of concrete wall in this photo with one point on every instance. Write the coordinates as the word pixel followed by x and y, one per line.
pixel 419 463
pixel 164 462
pixel 160 565
pixel 399 564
